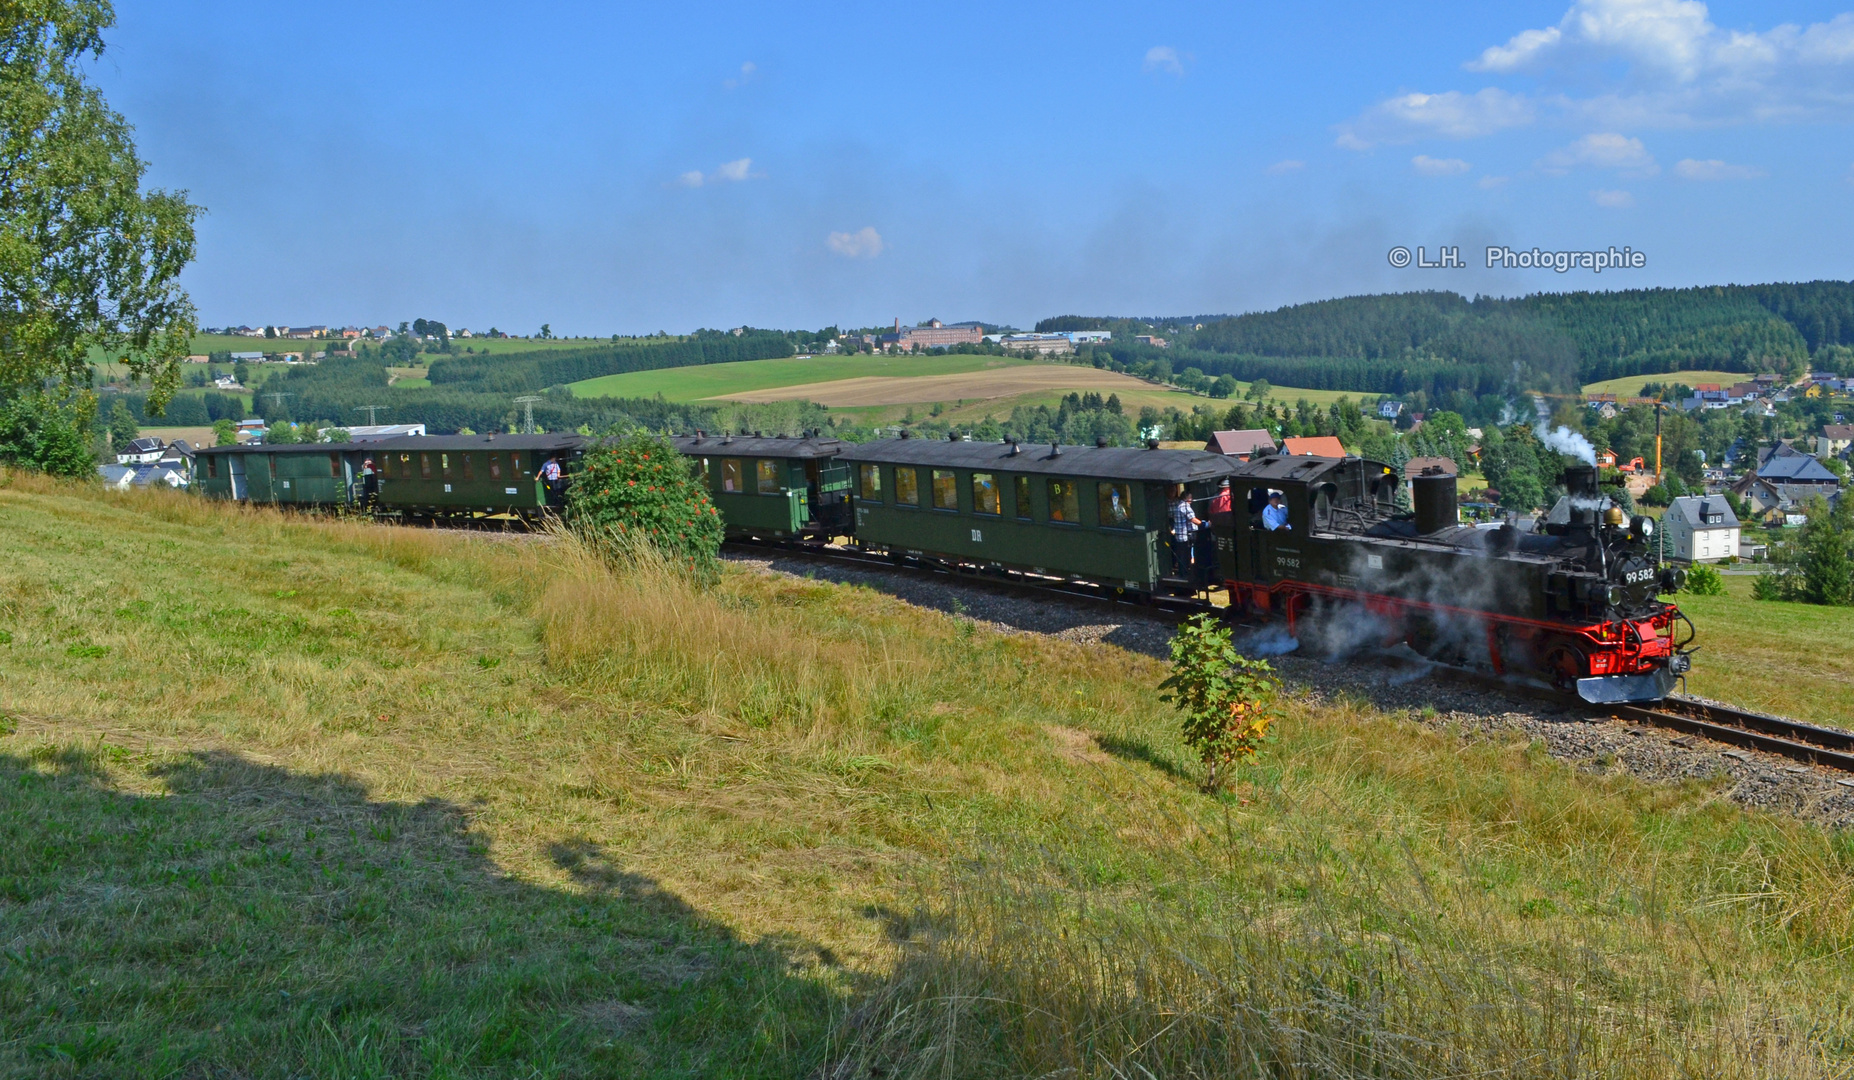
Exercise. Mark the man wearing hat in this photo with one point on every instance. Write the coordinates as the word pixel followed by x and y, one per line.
pixel 1275 514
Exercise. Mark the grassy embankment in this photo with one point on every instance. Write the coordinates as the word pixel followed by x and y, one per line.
pixel 290 797
pixel 1790 659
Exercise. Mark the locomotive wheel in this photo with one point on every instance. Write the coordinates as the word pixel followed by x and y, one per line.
pixel 1565 665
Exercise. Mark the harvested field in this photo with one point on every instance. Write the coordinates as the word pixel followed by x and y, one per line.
pixel 965 386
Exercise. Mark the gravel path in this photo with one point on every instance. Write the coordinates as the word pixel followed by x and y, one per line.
pixel 1391 683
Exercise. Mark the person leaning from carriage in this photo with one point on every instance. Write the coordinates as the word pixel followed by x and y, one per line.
pixel 552 482
pixel 1185 524
pixel 369 483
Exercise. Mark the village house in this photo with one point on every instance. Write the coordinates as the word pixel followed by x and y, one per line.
pixel 143 451
pixel 1700 529
pixel 1314 446
pixel 1834 440
pixel 1241 445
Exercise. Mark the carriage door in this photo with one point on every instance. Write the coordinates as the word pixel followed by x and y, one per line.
pixel 237 462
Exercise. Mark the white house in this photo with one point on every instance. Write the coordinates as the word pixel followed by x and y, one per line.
pixel 1700 529
pixel 143 451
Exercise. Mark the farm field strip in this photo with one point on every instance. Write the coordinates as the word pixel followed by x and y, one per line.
pixel 1631 385
pixel 723 380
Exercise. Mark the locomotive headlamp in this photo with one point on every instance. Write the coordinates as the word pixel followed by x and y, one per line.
pixel 1617 594
pixel 1643 526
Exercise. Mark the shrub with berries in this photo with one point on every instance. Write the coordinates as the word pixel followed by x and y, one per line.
pixel 636 489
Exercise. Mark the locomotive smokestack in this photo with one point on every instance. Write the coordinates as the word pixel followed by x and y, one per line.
pixel 1580 482
pixel 1433 493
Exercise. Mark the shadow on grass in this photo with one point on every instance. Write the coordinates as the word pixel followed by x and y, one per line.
pixel 1137 750
pixel 259 922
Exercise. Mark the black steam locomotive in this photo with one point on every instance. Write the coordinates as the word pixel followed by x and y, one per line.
pixel 1575 600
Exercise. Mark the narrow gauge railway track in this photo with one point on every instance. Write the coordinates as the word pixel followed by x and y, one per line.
pixel 1807 743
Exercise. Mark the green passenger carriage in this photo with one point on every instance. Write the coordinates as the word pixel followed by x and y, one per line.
pixel 1099 514
pixel 772 487
pixel 305 474
pixel 470 476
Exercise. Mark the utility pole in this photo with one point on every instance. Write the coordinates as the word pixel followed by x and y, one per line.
pixel 1658 406
pixel 372 411
pixel 527 404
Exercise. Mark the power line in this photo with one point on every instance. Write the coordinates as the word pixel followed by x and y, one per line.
pixel 372 412
pixel 527 404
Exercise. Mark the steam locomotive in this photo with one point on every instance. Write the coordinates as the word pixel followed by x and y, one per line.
pixel 1575 600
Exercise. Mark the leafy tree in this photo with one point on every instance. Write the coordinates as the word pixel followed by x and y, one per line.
pixel 1228 699
pixel 224 433
pixel 1704 580
pixel 281 433
pixel 87 259
pixel 122 427
pixel 43 433
pixel 636 489
pixel 1818 566
pixel 547 331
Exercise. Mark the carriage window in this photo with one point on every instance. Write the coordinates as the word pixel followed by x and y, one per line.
pixel 871 477
pixel 730 475
pixel 515 465
pixel 273 465
pixel 945 490
pixel 769 477
pixel 212 466
pixel 468 472
pixel 985 494
pixel 444 465
pixel 334 466
pixel 1022 484
pixel 1064 502
pixel 907 487
pixel 424 466
pixel 495 466
pixel 1116 505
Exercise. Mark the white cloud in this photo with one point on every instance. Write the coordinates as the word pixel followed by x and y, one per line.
pixel 728 172
pixel 1606 150
pixel 733 170
pixel 1714 169
pixel 1614 200
pixel 747 72
pixel 1281 168
pixel 864 243
pixel 1428 166
pixel 1452 115
pixel 1678 68
pixel 1491 182
pixel 1165 59
pixel 1636 64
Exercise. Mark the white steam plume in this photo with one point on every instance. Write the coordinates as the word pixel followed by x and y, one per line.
pixel 1567 442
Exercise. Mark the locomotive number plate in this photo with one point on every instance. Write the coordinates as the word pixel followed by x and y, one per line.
pixel 1636 577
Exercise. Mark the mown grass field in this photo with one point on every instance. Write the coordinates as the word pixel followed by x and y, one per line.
pixel 283 796
pixel 1631 385
pixel 721 380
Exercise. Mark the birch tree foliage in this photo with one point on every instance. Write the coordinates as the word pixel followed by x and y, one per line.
pixel 87 258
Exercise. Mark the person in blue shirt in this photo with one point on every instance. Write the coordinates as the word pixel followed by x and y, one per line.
pixel 1184 528
pixel 1275 514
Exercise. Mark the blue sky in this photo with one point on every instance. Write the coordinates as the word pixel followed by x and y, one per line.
pixel 631 168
